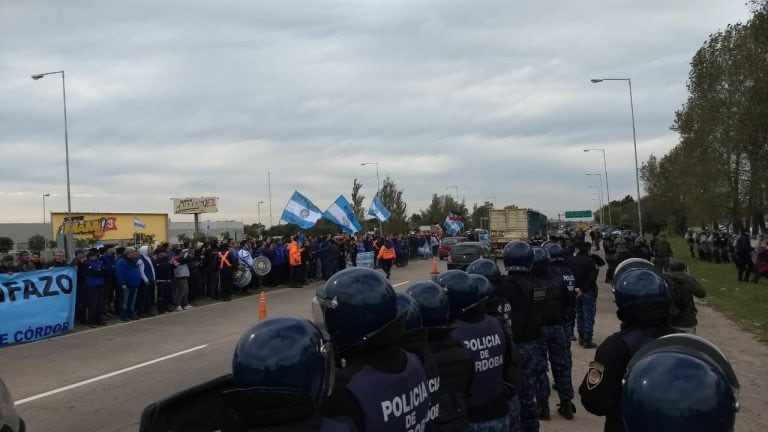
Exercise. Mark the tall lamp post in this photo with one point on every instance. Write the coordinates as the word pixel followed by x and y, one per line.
pixel 601 187
pixel 44 196
pixel 258 206
pixel 607 189
pixel 600 191
pixel 68 223
pixel 378 190
pixel 634 140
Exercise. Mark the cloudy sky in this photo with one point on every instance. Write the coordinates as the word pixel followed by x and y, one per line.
pixel 181 98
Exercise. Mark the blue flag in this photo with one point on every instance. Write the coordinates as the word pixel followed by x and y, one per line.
pixel 377 210
pixel 453 224
pixel 301 211
pixel 342 214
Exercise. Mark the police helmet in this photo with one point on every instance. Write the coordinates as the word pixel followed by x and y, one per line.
pixel 680 382
pixel 556 252
pixel 518 256
pixel 540 260
pixel 407 306
pixel 641 296
pixel 282 352
pixel 484 287
pixel 485 267
pixel 433 302
pixel 353 305
pixel 675 265
pixel 460 288
pixel 632 264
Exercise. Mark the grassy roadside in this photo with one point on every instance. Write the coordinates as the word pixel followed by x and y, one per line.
pixel 744 303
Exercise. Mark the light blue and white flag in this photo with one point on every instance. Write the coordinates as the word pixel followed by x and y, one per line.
pixel 138 223
pixel 342 214
pixel 453 224
pixel 377 210
pixel 301 211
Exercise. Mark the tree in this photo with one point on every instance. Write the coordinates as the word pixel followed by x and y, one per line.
pixel 253 230
pixel 480 214
pixel 183 238
pixel 511 207
pixel 392 198
pixel 357 200
pixel 226 236
pixel 52 244
pixel 6 244
pixel 36 242
pixel 440 207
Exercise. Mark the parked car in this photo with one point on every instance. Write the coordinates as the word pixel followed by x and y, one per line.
pixel 462 254
pixel 446 245
pixel 9 419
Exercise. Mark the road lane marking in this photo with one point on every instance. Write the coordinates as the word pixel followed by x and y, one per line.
pixel 401 283
pixel 105 376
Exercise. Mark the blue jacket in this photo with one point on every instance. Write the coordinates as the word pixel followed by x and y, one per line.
pixel 108 261
pixel 128 273
pixel 94 273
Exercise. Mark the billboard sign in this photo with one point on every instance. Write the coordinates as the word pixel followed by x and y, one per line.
pixel 195 205
pixel 111 226
pixel 578 214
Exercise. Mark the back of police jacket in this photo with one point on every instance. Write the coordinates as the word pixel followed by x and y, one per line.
pixel 584 270
pixel 558 300
pixel 455 369
pixel 525 295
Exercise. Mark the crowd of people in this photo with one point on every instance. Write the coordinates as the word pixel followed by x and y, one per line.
pixel 749 254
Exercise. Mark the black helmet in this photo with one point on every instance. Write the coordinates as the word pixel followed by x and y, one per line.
pixel 484 287
pixel 282 352
pixel 485 267
pixel 641 296
pixel 433 302
pixel 407 306
pixel 354 304
pixel 540 261
pixel 632 264
pixel 461 290
pixel 518 256
pixel 680 382
pixel 556 252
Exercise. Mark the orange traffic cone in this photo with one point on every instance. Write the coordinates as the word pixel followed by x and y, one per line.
pixel 434 266
pixel 262 306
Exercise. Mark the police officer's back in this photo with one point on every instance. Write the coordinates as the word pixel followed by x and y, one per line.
pixel 454 362
pixel 643 303
pixel 380 387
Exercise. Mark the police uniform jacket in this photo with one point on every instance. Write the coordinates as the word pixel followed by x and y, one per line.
pixel 525 295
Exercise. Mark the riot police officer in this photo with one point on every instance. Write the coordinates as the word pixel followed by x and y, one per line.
pixel 454 362
pixel 680 383
pixel 380 387
pixel 484 337
pixel 270 388
pixel 558 267
pixel 553 343
pixel 525 295
pixel 643 302
pixel 620 254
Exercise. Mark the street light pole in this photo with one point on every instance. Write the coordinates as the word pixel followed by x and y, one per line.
pixel 601 187
pixel 601 203
pixel 68 223
pixel 607 189
pixel 378 190
pixel 44 195
pixel 634 140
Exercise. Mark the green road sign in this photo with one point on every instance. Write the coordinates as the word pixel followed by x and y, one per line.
pixel 578 214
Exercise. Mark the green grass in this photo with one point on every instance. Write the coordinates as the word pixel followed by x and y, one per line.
pixel 744 303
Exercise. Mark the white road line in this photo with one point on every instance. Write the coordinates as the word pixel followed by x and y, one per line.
pixel 105 376
pixel 401 283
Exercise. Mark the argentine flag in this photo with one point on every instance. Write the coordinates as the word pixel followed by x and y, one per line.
pixel 342 214
pixel 301 211
pixel 138 223
pixel 377 210
pixel 453 224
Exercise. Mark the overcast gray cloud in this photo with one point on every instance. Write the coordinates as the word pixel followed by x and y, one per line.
pixel 179 98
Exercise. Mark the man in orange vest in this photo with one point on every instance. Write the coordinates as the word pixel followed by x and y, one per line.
pixel 294 259
pixel 226 259
pixel 386 257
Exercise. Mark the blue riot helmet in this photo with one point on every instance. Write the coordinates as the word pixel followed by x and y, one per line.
pixel 354 305
pixel 460 288
pixel 484 287
pixel 641 296
pixel 540 261
pixel 518 256
pixel 283 352
pixel 680 382
pixel 556 252
pixel 484 267
pixel 632 264
pixel 433 302
pixel 407 306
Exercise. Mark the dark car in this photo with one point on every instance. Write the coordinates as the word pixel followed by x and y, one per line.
pixel 462 254
pixel 447 244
